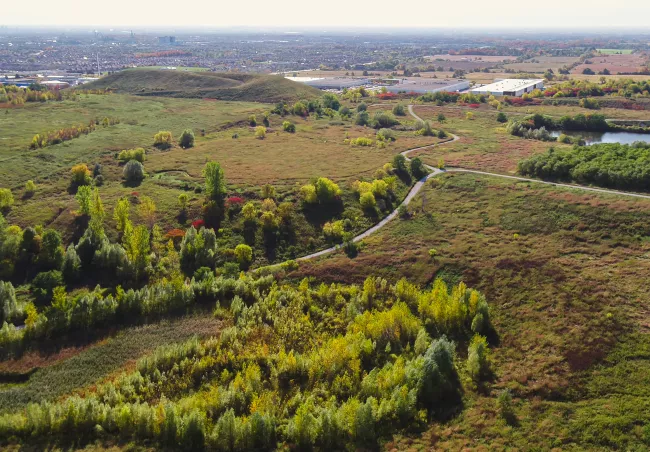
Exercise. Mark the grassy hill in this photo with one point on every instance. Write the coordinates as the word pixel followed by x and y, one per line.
pixel 222 86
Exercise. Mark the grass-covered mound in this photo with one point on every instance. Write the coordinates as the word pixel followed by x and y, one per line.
pixel 625 167
pixel 223 86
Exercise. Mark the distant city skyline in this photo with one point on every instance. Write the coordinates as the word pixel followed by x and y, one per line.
pixel 577 14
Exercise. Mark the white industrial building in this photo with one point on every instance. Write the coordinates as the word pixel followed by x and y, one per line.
pixel 515 87
pixel 428 85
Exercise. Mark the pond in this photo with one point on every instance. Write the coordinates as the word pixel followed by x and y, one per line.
pixel 606 137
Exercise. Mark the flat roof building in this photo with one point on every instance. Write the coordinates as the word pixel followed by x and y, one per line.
pixel 337 83
pixel 428 85
pixel 515 87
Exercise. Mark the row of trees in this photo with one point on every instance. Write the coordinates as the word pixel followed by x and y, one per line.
pixel 53 137
pixel 607 165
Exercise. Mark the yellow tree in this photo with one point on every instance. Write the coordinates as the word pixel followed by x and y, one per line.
pixel 147 211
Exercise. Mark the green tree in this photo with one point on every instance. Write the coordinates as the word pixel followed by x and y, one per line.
pixel 398 110
pixel 399 163
pixel 331 101
pixel 97 214
pixel 501 117
pixel 244 255
pixel 121 213
pixel 30 188
pixel 6 199
pixel 133 172
pixel 137 247
pixel 215 181
pixel 441 118
pixel 187 139
pixel 83 197
pixel 478 364
pixel 417 168
pixel 326 190
pixel 368 201
pixel 51 253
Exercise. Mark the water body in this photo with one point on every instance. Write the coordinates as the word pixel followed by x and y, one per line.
pixel 606 137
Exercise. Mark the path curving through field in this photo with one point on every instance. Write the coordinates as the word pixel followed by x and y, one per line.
pixel 435 172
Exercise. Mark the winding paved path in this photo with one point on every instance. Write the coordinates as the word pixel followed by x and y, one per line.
pixel 435 172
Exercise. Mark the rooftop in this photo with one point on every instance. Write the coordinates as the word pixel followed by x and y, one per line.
pixel 510 84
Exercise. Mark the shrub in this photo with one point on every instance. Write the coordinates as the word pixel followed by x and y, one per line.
pixel 362 107
pixel 126 155
pixel 501 117
pixel 334 230
pixel 260 132
pixel 331 101
pixel 6 199
pixel 383 119
pixel 244 255
pixel 187 139
pixel 386 135
pixel 399 163
pixel 469 115
pixel 30 188
pixel 288 126
pixel 163 139
pixel 44 283
pixel 398 110
pixel 362 141
pixel 80 175
pixel 363 118
pixel 504 406
pixel 133 171
pixel 478 365
pixel 368 201
pixel 326 190
pixel 308 194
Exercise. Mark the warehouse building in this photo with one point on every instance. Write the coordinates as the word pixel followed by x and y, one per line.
pixel 510 87
pixel 334 83
pixel 428 85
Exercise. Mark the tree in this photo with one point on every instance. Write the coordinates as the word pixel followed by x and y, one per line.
pixel 244 255
pixel 121 213
pixel 6 199
pixel 183 200
pixel 83 197
pixel 478 365
pixel 363 118
pixel 80 175
pixel 288 126
pixel 215 181
pixel 399 163
pixel 187 139
pixel 368 201
pixel 326 190
pixel 417 168
pixel 147 211
pixel 163 139
pixel 136 245
pixel 331 101
pixel 133 172
pixel 398 110
pixel 362 107
pixel 588 71
pixel 501 117
pixel 44 283
pixel 469 115
pixel 97 214
pixel 267 191
pixel 441 118
pixel 30 188
pixel 51 253
pixel 308 194
pixel 260 132
pixel 252 120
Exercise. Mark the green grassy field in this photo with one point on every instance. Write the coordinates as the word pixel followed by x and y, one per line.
pixel 564 271
pixel 615 51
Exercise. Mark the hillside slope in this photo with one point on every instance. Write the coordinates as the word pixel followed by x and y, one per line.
pixel 223 86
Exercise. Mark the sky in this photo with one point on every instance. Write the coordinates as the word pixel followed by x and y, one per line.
pixel 591 14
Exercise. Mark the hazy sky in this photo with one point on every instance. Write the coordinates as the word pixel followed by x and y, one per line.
pixel 296 13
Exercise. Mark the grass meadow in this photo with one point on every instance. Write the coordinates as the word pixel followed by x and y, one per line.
pixel 565 272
